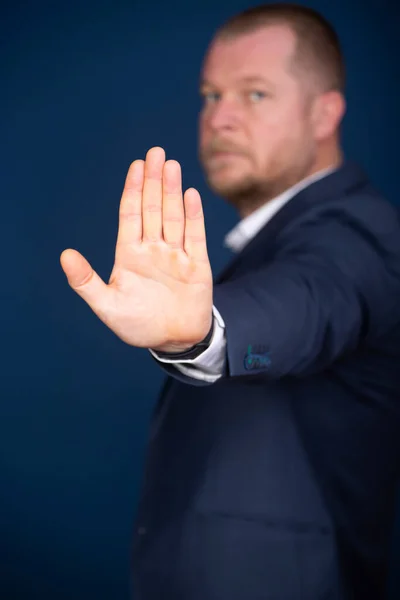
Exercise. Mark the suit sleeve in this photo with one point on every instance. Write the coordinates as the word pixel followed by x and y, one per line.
pixel 332 288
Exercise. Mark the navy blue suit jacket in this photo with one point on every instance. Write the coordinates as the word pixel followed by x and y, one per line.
pixel 278 481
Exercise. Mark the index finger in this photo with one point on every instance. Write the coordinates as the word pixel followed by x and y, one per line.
pixel 130 209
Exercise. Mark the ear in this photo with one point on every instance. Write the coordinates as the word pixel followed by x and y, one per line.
pixel 328 111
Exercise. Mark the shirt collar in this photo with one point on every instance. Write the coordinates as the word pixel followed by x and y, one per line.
pixel 247 228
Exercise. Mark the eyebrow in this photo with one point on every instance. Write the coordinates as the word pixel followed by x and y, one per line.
pixel 254 78
pixel 247 79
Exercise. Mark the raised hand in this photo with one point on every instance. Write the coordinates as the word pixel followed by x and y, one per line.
pixel 160 290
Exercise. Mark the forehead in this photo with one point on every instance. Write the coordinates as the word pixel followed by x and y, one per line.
pixel 262 53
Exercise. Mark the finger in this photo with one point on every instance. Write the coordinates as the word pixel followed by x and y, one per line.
pixel 195 244
pixel 173 213
pixel 152 195
pixel 130 208
pixel 85 281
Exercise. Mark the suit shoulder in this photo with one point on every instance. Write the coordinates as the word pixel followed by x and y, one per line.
pixel 362 220
pixel 365 211
pixel 365 203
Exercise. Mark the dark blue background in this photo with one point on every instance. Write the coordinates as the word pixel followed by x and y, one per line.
pixel 87 87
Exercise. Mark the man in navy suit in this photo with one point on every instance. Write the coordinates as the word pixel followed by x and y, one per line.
pixel 274 447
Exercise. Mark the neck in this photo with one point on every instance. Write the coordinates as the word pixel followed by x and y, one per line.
pixel 331 159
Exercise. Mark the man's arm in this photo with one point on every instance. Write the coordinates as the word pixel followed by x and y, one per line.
pixel 318 301
pixel 336 285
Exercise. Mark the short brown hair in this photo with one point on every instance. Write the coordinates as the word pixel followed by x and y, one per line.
pixel 318 50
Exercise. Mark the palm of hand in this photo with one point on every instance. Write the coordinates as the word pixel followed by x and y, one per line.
pixel 160 291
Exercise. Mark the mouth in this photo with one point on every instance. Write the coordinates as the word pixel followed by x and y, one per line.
pixel 223 155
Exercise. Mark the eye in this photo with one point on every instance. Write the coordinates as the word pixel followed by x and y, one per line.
pixel 257 95
pixel 210 97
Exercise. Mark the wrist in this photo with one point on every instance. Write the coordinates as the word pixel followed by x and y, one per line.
pixel 185 350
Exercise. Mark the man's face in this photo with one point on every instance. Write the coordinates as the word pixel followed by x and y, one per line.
pixel 256 137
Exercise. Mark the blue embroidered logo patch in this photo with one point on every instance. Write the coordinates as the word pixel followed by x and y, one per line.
pixel 256 358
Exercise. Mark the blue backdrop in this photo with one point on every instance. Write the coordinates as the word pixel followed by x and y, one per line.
pixel 87 87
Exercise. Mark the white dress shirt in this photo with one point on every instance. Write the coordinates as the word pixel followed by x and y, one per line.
pixel 209 365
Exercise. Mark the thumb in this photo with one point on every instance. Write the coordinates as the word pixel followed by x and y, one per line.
pixel 84 280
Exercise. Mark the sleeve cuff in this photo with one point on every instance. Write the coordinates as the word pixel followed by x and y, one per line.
pixel 214 339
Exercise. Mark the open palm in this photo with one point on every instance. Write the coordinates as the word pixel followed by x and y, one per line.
pixel 160 290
